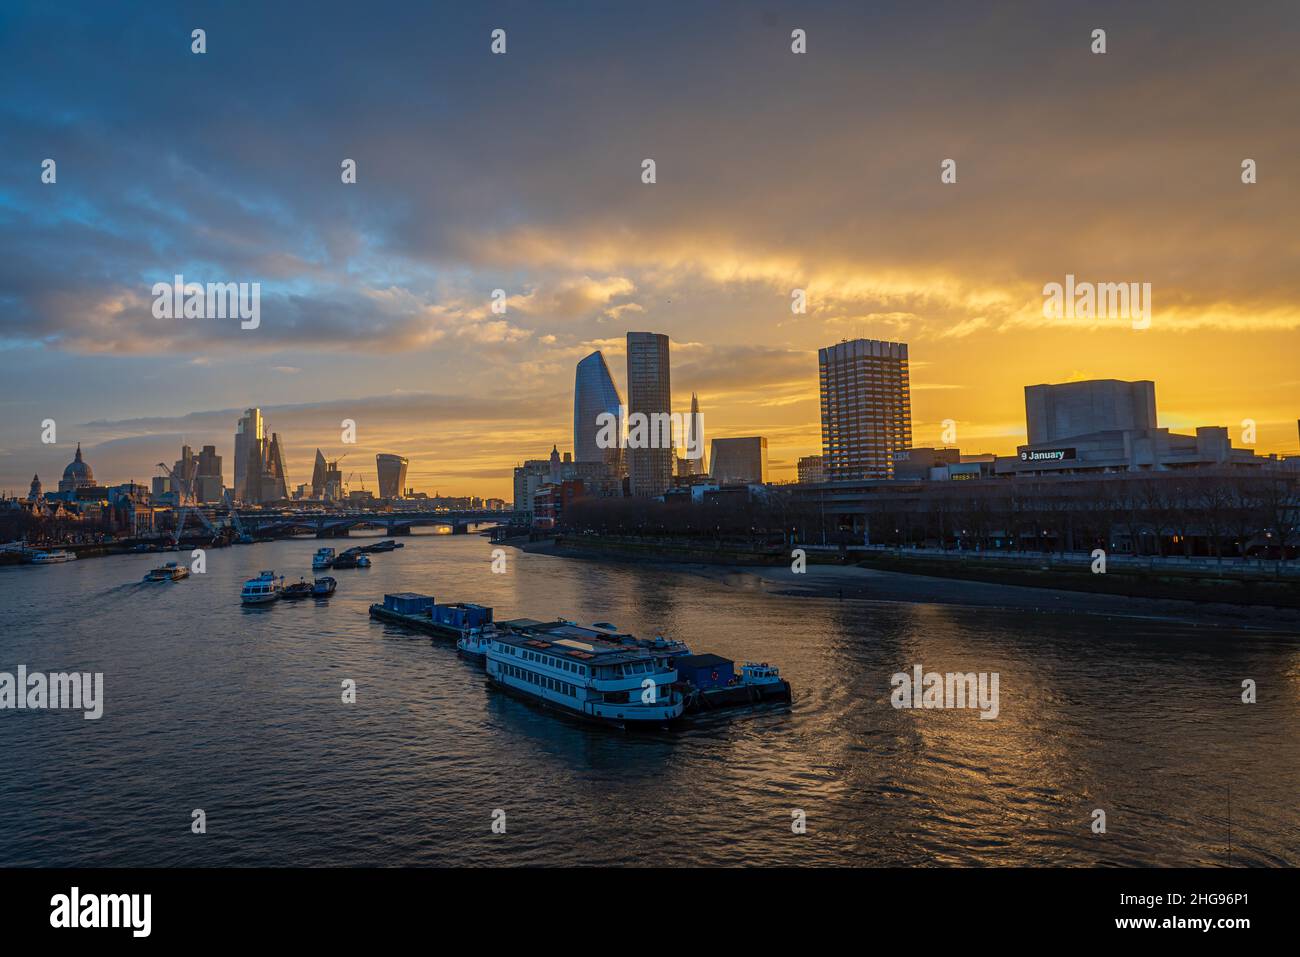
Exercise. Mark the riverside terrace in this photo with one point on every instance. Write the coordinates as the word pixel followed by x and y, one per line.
pixel 1211 512
pixel 1219 512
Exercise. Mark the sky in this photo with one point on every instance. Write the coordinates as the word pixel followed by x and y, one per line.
pixel 775 171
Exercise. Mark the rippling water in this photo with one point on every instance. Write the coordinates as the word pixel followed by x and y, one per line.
pixel 237 711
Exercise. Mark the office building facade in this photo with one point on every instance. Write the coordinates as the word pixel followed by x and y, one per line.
pixel 392 474
pixel 594 395
pixel 649 393
pixel 739 461
pixel 866 408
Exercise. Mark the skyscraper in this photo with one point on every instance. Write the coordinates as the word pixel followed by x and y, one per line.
pixel 392 474
pixel 594 393
pixel 318 476
pixel 208 481
pixel 866 408
pixel 249 439
pixel 649 393
pixel 694 442
pixel 275 482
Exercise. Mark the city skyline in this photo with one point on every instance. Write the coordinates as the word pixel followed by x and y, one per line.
pixel 378 302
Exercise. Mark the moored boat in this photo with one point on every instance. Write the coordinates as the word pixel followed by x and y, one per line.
pixel 262 589
pixel 299 589
pixel 475 643
pixel 323 587
pixel 582 672
pixel 56 557
pixel 171 572
pixel 323 558
pixel 363 561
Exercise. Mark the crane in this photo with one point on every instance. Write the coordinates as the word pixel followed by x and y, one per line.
pixel 184 500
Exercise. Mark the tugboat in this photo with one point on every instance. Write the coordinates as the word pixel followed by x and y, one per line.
pixel 363 561
pixel 323 558
pixel 299 589
pixel 262 589
pixel 171 572
pixel 323 587
pixel 475 643
pixel 346 560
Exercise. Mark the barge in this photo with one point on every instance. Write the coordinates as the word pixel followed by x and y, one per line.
pixel 423 613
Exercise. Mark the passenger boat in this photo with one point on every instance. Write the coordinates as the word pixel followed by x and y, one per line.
pixel 323 558
pixel 56 557
pixel 171 572
pixel 586 673
pixel 299 589
pixel 323 587
pixel 262 589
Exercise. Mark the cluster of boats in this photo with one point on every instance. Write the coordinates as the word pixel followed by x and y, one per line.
pixel 354 557
pixel 267 587
pixel 596 673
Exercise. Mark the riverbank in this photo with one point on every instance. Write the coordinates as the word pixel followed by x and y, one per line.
pixel 874 582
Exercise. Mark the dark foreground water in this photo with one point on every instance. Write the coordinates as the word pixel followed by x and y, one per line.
pixel 238 712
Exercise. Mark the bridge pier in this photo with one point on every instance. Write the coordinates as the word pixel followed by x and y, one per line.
pixel 460 528
pixel 341 532
pixel 398 530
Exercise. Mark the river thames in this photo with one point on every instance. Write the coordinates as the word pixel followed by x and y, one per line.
pixel 238 712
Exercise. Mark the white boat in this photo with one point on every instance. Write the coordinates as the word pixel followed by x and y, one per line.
pixel 56 557
pixel 759 673
pixel 324 558
pixel 476 642
pixel 171 572
pixel 262 589
pixel 581 671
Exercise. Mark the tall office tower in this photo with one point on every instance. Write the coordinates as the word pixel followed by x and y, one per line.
pixel 275 482
pixel 694 442
pixel 185 470
pixel 208 481
pixel 594 393
pixel 318 476
pixel 810 470
pixel 392 474
pixel 866 408
pixel 741 460
pixel 649 392
pixel 250 439
pixel 1056 412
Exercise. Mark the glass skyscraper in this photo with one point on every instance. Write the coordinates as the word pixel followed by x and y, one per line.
pixel 392 474
pixel 594 392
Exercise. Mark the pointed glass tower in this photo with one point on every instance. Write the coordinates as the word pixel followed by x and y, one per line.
pixel 594 392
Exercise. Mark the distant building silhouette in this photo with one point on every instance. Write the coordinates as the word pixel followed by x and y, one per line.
pixel 392 474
